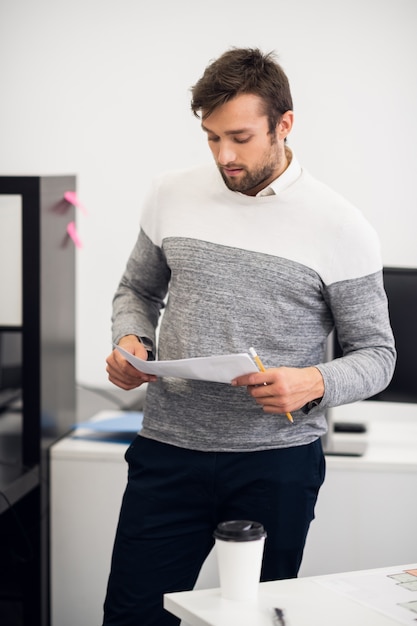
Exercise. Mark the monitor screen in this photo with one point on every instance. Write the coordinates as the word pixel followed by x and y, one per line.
pixel 10 359
pixel 401 288
pixel 10 367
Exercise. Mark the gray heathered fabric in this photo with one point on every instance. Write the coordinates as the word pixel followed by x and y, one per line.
pixel 225 299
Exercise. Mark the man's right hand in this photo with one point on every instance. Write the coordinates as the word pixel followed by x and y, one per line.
pixel 121 372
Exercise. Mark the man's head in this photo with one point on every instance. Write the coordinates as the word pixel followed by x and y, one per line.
pixel 245 104
pixel 243 71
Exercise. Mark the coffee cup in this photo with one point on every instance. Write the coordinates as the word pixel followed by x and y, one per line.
pixel 239 548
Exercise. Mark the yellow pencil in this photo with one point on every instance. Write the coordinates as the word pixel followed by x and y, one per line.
pixel 259 363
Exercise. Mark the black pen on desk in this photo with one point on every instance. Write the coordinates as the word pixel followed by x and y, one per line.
pixel 278 617
pixel 259 363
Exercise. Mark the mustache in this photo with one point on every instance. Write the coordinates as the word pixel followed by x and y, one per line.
pixel 231 166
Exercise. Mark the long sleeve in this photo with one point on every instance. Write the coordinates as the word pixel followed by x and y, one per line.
pixel 139 299
pixel 361 318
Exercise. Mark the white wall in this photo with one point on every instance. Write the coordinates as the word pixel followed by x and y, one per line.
pixel 101 89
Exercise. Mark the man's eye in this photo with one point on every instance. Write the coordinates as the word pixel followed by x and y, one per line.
pixel 242 139
pixel 213 139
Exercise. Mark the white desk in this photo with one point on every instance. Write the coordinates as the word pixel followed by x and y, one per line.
pixel 365 598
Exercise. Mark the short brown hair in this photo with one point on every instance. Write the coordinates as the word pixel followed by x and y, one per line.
pixel 243 70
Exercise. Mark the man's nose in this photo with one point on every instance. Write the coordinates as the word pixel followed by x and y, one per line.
pixel 226 154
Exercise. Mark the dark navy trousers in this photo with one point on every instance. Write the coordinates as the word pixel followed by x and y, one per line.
pixel 174 500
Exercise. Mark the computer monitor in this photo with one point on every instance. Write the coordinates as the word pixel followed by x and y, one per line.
pixel 348 424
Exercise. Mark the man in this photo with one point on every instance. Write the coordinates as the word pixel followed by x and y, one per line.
pixel 251 251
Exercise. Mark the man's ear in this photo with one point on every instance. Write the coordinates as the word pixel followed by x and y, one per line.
pixel 284 125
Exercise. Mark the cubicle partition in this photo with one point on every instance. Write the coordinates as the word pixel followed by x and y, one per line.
pixel 37 379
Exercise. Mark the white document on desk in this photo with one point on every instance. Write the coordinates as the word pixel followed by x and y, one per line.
pixel 218 369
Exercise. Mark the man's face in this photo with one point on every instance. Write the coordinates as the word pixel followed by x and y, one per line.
pixel 248 157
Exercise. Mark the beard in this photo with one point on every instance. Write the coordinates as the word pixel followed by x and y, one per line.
pixel 252 179
pixel 249 179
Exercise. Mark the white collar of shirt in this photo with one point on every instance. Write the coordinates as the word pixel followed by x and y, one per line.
pixel 286 179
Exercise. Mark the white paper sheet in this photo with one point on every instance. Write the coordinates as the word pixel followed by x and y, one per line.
pixel 387 590
pixel 218 369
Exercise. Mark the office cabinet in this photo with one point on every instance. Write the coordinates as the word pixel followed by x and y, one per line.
pixel 366 514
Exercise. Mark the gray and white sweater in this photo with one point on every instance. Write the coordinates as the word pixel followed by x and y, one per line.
pixel 276 272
